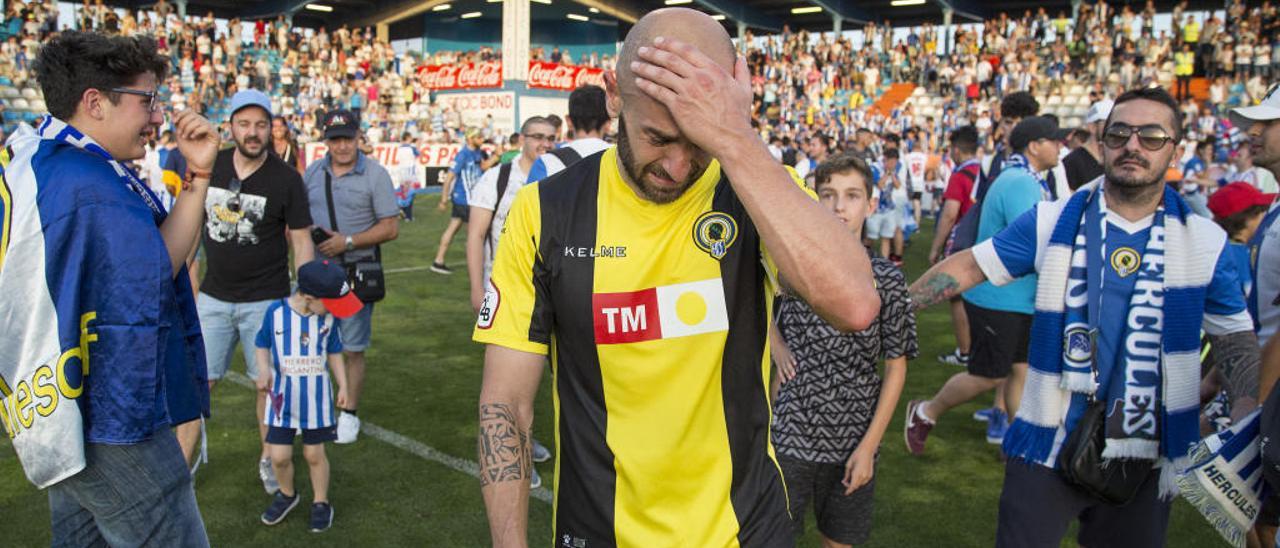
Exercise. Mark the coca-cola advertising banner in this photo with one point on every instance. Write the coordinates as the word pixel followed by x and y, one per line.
pixel 489 75
pixel 561 77
pixel 464 76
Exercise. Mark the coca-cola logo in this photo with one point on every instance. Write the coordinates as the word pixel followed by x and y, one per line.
pixel 470 75
pixel 561 77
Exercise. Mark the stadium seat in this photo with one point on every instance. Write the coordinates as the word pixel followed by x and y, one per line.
pixel 21 104
pixel 29 93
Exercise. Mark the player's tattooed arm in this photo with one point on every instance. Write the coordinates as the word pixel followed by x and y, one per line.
pixel 945 280
pixel 505 451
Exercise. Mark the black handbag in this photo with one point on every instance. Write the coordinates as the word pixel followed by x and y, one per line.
pixel 364 275
pixel 1113 480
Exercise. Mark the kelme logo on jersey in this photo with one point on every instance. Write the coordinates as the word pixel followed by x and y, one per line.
pixel 714 232
pixel 664 312
pixel 1125 261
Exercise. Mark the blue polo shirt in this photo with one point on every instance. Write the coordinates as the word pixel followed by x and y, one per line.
pixel 1014 192
pixel 362 197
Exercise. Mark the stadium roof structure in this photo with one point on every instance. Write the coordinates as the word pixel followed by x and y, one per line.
pixel 760 16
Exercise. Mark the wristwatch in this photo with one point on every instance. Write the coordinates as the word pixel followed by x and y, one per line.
pixel 351 244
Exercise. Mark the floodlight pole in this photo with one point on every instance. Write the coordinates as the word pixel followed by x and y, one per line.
pixel 515 40
pixel 948 32
pixel 837 24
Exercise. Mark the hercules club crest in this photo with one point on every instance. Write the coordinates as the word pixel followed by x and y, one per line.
pixel 715 232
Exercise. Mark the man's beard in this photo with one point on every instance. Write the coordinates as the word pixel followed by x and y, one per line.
pixel 636 174
pixel 1127 185
pixel 242 146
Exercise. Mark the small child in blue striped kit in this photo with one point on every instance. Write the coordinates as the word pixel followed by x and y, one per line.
pixel 298 345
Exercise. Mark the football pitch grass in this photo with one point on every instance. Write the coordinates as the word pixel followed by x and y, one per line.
pixel 423 383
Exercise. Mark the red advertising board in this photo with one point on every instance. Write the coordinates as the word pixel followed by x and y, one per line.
pixel 565 78
pixel 489 75
pixel 464 76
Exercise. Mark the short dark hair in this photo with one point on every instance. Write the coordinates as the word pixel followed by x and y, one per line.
pixel 75 61
pixel 587 109
pixel 891 153
pixel 822 138
pixel 839 164
pixel 1153 93
pixel 1233 224
pixel 555 120
pixel 1019 105
pixel 965 139
pixel 524 128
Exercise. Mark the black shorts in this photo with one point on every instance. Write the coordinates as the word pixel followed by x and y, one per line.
pixel 1037 506
pixel 997 340
pixel 284 436
pixel 916 195
pixel 844 519
pixel 461 212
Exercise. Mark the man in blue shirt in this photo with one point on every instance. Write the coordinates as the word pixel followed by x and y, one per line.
pixel 1138 279
pixel 1000 317
pixel 93 273
pixel 468 166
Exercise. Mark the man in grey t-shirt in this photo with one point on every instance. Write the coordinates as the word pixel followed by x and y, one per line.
pixel 363 215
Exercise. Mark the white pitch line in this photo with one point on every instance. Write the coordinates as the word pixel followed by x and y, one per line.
pixel 410 445
pixel 407 269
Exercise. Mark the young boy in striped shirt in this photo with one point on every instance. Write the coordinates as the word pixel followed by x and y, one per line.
pixel 297 346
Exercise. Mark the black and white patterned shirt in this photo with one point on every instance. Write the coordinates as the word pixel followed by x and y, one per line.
pixel 823 412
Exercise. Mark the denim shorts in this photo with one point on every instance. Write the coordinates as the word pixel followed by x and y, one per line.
pixel 357 330
pixel 223 325
pixel 128 495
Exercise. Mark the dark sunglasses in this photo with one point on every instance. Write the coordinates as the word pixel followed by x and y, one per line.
pixel 233 203
pixel 1152 137
pixel 151 96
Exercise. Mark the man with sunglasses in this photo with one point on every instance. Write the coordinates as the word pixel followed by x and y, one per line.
pixel 98 317
pixel 256 211
pixel 1127 278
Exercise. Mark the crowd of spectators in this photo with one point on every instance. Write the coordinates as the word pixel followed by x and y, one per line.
pixel 804 83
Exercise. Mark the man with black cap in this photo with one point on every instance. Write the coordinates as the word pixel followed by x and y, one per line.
pixel 256 209
pixel 354 205
pixel 999 317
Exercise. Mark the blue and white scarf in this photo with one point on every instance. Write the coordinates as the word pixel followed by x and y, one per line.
pixel 1225 480
pixel 1017 160
pixel 1151 416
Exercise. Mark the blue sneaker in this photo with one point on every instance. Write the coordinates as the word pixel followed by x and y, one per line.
pixel 280 507
pixel 984 415
pixel 997 426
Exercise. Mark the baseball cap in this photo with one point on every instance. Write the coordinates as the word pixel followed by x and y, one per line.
pixel 250 98
pixel 1266 110
pixel 1237 197
pixel 340 123
pixel 1099 111
pixel 1033 128
pixel 328 281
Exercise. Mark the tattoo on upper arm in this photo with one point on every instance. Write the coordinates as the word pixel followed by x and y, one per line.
pixel 1237 357
pixel 505 453
pixel 933 289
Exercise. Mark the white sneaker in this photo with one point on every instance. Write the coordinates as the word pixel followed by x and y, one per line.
pixel 540 452
pixel 535 481
pixel 268 477
pixel 348 428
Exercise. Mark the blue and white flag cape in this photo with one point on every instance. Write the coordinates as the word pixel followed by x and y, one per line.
pixel 101 341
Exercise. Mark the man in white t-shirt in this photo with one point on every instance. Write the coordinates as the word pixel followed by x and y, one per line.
pixel 489 210
pixel 589 121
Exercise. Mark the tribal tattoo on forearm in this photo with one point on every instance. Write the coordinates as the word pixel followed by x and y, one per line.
pixel 933 289
pixel 1237 357
pixel 505 452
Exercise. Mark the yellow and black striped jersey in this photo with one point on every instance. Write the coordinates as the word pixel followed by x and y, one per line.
pixel 656 319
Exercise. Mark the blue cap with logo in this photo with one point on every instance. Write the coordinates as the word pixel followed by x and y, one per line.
pixel 327 281
pixel 250 98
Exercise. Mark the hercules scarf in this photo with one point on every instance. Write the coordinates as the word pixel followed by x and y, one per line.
pixel 1158 401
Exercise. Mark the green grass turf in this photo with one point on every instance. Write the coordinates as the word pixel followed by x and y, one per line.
pixel 423 382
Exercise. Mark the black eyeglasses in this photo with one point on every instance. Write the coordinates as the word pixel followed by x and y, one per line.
pixel 233 203
pixel 151 96
pixel 1152 137
pixel 539 137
